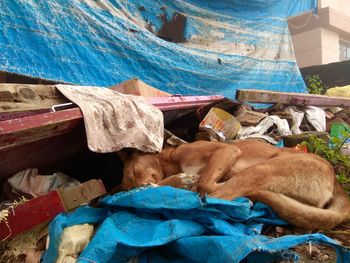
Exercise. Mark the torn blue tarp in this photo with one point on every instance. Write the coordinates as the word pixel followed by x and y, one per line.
pixel 166 224
pixel 228 44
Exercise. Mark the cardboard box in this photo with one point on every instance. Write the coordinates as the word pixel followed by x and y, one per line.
pixel 138 87
pixel 81 194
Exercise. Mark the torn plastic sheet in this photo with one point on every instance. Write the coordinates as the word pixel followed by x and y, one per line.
pixel 297 117
pixel 166 224
pixel 317 117
pixel 263 126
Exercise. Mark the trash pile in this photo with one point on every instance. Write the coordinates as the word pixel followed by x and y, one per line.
pixel 121 226
pixel 31 201
pixel 279 124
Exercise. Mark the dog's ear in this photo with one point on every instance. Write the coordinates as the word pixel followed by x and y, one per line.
pixel 126 153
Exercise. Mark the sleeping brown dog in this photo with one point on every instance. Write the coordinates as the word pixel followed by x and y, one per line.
pixel 300 187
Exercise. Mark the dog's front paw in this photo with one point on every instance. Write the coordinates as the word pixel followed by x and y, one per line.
pixel 188 180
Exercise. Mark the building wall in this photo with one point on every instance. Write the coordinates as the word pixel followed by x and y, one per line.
pixel 308 47
pixel 316 38
pixel 316 47
pixel 330 46
pixel 339 5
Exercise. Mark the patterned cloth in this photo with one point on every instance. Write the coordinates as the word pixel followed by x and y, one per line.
pixel 114 121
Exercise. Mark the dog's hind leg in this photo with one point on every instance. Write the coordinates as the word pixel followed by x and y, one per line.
pixel 242 184
pixel 304 178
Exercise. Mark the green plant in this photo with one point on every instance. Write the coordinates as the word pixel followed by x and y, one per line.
pixel 315 84
pixel 331 152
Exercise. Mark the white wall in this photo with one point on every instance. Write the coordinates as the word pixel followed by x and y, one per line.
pixel 308 48
pixel 330 46
pixel 339 5
pixel 321 45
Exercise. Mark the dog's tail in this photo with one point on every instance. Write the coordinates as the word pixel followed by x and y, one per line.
pixel 305 216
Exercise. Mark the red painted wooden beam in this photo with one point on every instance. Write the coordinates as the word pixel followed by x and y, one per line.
pixel 44 208
pixel 31 213
pixel 45 154
pixel 36 127
pixel 182 102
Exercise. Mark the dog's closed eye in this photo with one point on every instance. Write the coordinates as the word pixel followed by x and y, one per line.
pixel 136 173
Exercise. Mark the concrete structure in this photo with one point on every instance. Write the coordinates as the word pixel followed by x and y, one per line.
pixel 324 38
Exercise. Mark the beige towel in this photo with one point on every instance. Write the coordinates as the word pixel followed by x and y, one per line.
pixel 114 121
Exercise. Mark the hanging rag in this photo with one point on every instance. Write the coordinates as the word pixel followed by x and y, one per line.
pixel 114 121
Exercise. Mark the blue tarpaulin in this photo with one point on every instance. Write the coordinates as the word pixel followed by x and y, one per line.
pixel 166 224
pixel 229 44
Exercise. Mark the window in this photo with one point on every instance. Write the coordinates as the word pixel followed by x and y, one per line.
pixel 344 50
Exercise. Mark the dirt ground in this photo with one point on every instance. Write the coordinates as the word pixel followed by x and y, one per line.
pixel 318 253
pixel 326 254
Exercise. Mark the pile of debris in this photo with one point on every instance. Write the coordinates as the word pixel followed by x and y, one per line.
pixel 288 120
pixel 289 123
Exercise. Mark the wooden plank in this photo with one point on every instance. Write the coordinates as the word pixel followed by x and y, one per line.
pixel 28 97
pixel 182 102
pixel 20 114
pixel 5 95
pixel 300 99
pixel 36 127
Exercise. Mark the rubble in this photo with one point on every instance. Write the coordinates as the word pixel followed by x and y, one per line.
pixel 294 140
pixel 247 117
pixel 287 98
pixel 26 247
pixel 224 120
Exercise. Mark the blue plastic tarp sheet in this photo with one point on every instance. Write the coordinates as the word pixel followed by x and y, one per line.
pixel 229 44
pixel 166 224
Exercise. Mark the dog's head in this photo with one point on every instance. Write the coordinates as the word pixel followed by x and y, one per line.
pixel 140 169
